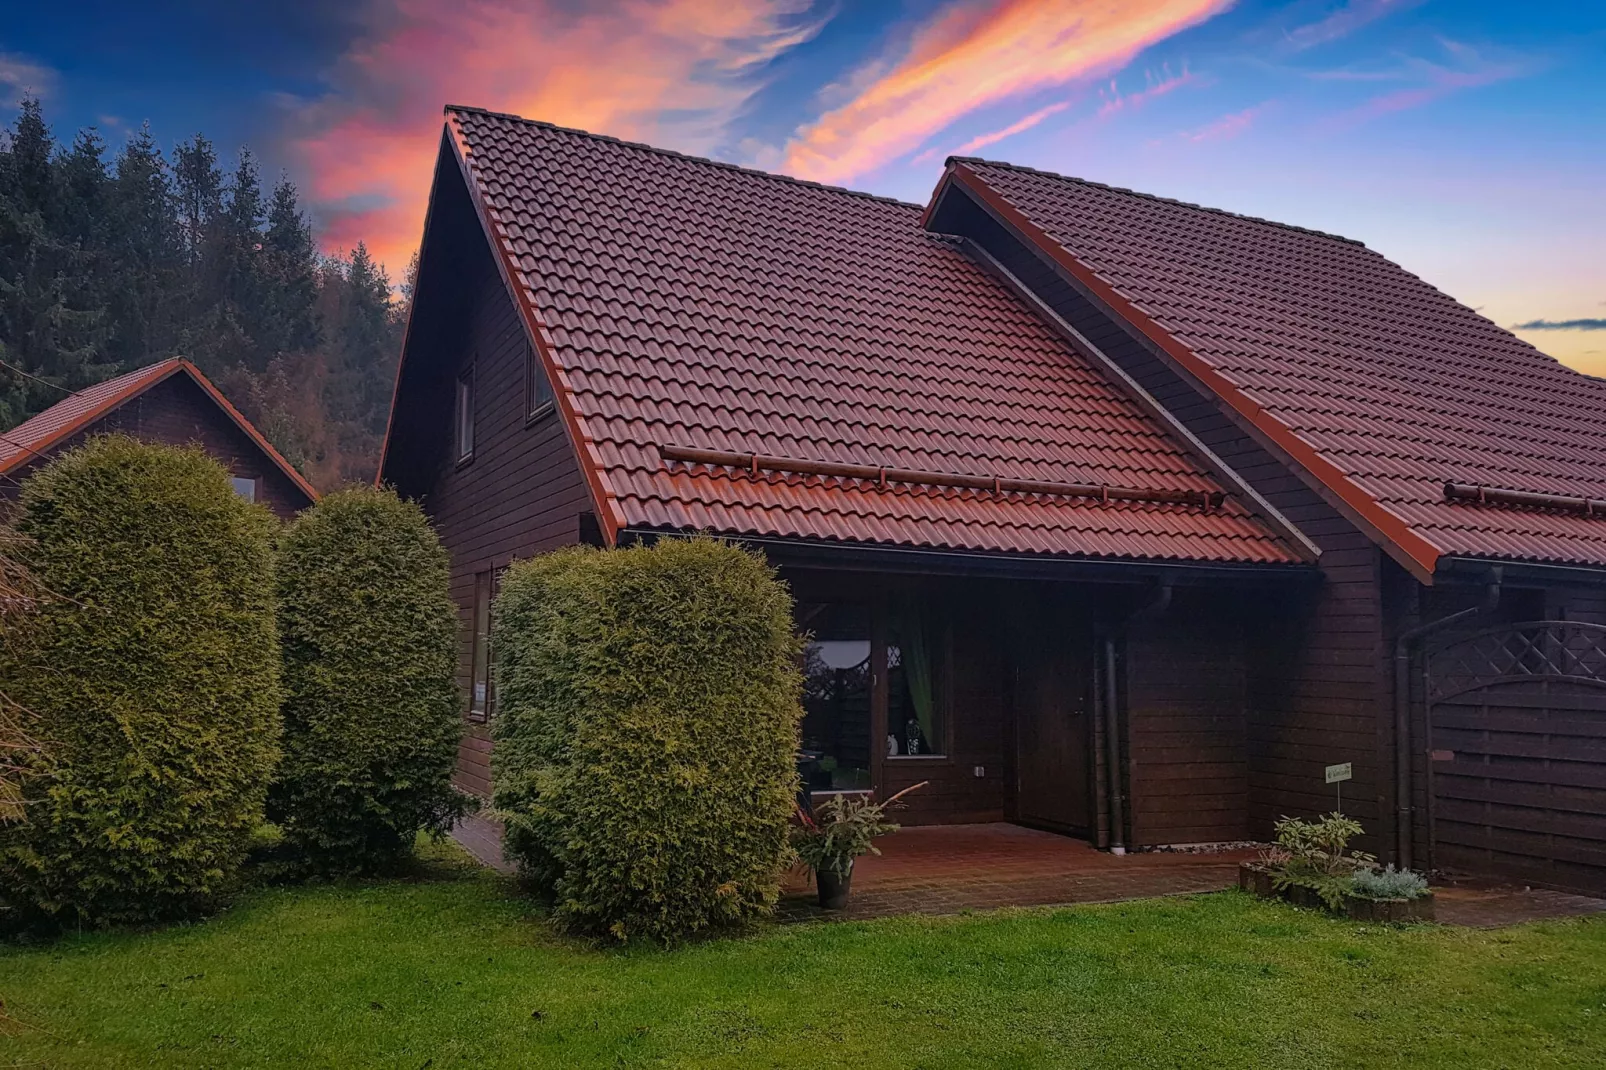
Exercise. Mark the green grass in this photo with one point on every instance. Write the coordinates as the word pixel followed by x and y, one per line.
pixel 453 969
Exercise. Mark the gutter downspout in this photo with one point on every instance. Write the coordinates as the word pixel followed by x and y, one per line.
pixel 1404 810
pixel 1157 604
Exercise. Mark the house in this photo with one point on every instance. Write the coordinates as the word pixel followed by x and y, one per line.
pixel 172 402
pixel 1130 519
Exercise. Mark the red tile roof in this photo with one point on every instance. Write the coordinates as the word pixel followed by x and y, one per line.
pixel 36 436
pixel 1379 383
pixel 681 302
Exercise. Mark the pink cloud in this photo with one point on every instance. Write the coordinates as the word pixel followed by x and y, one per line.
pixel 973 55
pixel 1468 69
pixel 1228 126
pixel 981 141
pixel 1343 22
pixel 675 73
pixel 1115 101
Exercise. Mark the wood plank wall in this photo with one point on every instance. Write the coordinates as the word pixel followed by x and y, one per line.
pixel 1318 693
pixel 522 493
pixel 1187 700
pixel 178 412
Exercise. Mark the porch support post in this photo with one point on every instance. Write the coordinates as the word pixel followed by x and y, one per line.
pixel 1112 747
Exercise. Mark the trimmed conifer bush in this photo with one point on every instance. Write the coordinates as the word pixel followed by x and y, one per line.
pixel 371 719
pixel 149 678
pixel 645 737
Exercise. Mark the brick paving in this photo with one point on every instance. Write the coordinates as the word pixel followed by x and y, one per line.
pixel 950 869
pixel 1478 904
pixel 947 869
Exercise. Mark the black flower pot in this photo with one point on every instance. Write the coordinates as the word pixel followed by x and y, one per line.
pixel 834 889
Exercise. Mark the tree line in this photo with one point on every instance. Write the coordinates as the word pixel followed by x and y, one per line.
pixel 112 260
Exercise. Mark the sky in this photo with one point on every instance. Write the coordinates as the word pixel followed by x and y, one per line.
pixel 1465 140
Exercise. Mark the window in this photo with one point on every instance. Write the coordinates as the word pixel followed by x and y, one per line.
pixel 537 391
pixel 479 697
pixel 245 487
pixel 465 416
pixel 835 754
pixel 916 685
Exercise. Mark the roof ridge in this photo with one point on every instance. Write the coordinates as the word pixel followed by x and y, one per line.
pixel 682 155
pixel 1296 228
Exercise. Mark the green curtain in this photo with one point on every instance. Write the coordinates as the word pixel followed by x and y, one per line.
pixel 915 649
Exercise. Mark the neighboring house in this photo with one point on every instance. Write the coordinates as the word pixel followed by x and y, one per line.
pixel 1108 514
pixel 168 402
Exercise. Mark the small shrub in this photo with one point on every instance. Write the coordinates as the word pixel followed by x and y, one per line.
pixel 371 720
pixel 844 827
pixel 1314 856
pixel 1388 883
pixel 149 678
pixel 644 760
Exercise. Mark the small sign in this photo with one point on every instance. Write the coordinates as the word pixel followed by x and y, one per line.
pixel 1338 773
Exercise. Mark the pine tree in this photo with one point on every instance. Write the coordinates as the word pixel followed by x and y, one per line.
pixel 146 245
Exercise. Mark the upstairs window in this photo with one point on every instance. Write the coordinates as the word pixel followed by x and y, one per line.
pixel 465 416
pixel 245 487
pixel 537 391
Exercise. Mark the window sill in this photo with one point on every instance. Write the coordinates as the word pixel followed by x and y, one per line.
pixel 463 462
pixel 934 758
pixel 540 414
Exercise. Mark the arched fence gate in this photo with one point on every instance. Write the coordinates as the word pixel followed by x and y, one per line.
pixel 1516 719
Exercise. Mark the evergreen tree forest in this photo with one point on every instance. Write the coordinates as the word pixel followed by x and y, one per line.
pixel 114 259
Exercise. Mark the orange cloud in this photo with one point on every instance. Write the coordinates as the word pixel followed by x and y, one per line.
pixel 972 55
pixel 674 73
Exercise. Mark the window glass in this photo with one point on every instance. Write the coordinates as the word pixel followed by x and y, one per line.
pixel 479 699
pixel 465 417
pixel 537 391
pixel 245 488
pixel 916 717
pixel 836 698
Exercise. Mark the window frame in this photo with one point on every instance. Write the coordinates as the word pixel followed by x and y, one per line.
pixel 255 483
pixel 539 400
pixel 463 421
pixel 480 703
pixel 942 691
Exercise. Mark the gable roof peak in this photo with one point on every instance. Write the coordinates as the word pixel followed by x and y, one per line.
pixel 454 109
pixel 1090 184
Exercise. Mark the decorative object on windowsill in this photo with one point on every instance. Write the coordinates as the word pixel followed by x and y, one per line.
pixel 1310 866
pixel 911 734
pixel 841 829
pixel 892 745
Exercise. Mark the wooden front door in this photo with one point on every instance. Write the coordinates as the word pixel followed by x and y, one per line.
pixel 1053 731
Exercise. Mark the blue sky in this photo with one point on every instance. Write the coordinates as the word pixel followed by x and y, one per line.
pixel 1463 139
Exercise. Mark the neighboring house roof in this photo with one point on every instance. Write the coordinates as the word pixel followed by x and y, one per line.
pixel 36 436
pixel 1366 376
pixel 678 302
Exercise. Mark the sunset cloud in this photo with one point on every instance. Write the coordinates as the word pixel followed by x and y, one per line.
pixel 1228 126
pixel 673 73
pixel 1343 22
pixel 973 55
pixel 1113 101
pixel 1464 67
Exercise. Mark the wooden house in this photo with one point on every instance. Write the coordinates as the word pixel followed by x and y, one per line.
pixel 171 402
pixel 1108 514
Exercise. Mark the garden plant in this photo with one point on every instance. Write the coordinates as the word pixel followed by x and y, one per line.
pixel 371 718
pixel 149 680
pixel 648 704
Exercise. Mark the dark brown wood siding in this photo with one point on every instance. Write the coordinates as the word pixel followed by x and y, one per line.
pixel 1187 701
pixel 522 492
pixel 178 412
pixel 1316 685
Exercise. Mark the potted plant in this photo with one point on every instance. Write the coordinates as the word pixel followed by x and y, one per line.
pixel 841 829
pixel 1310 865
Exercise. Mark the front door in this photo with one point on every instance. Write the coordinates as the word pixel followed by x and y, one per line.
pixel 1053 737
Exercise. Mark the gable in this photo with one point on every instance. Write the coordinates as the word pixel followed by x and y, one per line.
pixel 167 402
pixel 684 305
pixel 1375 384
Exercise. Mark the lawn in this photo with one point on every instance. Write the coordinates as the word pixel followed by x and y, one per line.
pixel 453 969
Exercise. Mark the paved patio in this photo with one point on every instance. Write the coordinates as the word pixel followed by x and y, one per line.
pixel 948 869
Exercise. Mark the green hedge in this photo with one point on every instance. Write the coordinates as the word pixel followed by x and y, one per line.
pixel 151 680
pixel 645 737
pixel 371 718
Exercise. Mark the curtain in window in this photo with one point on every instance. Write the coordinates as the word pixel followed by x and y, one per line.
pixel 914 647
